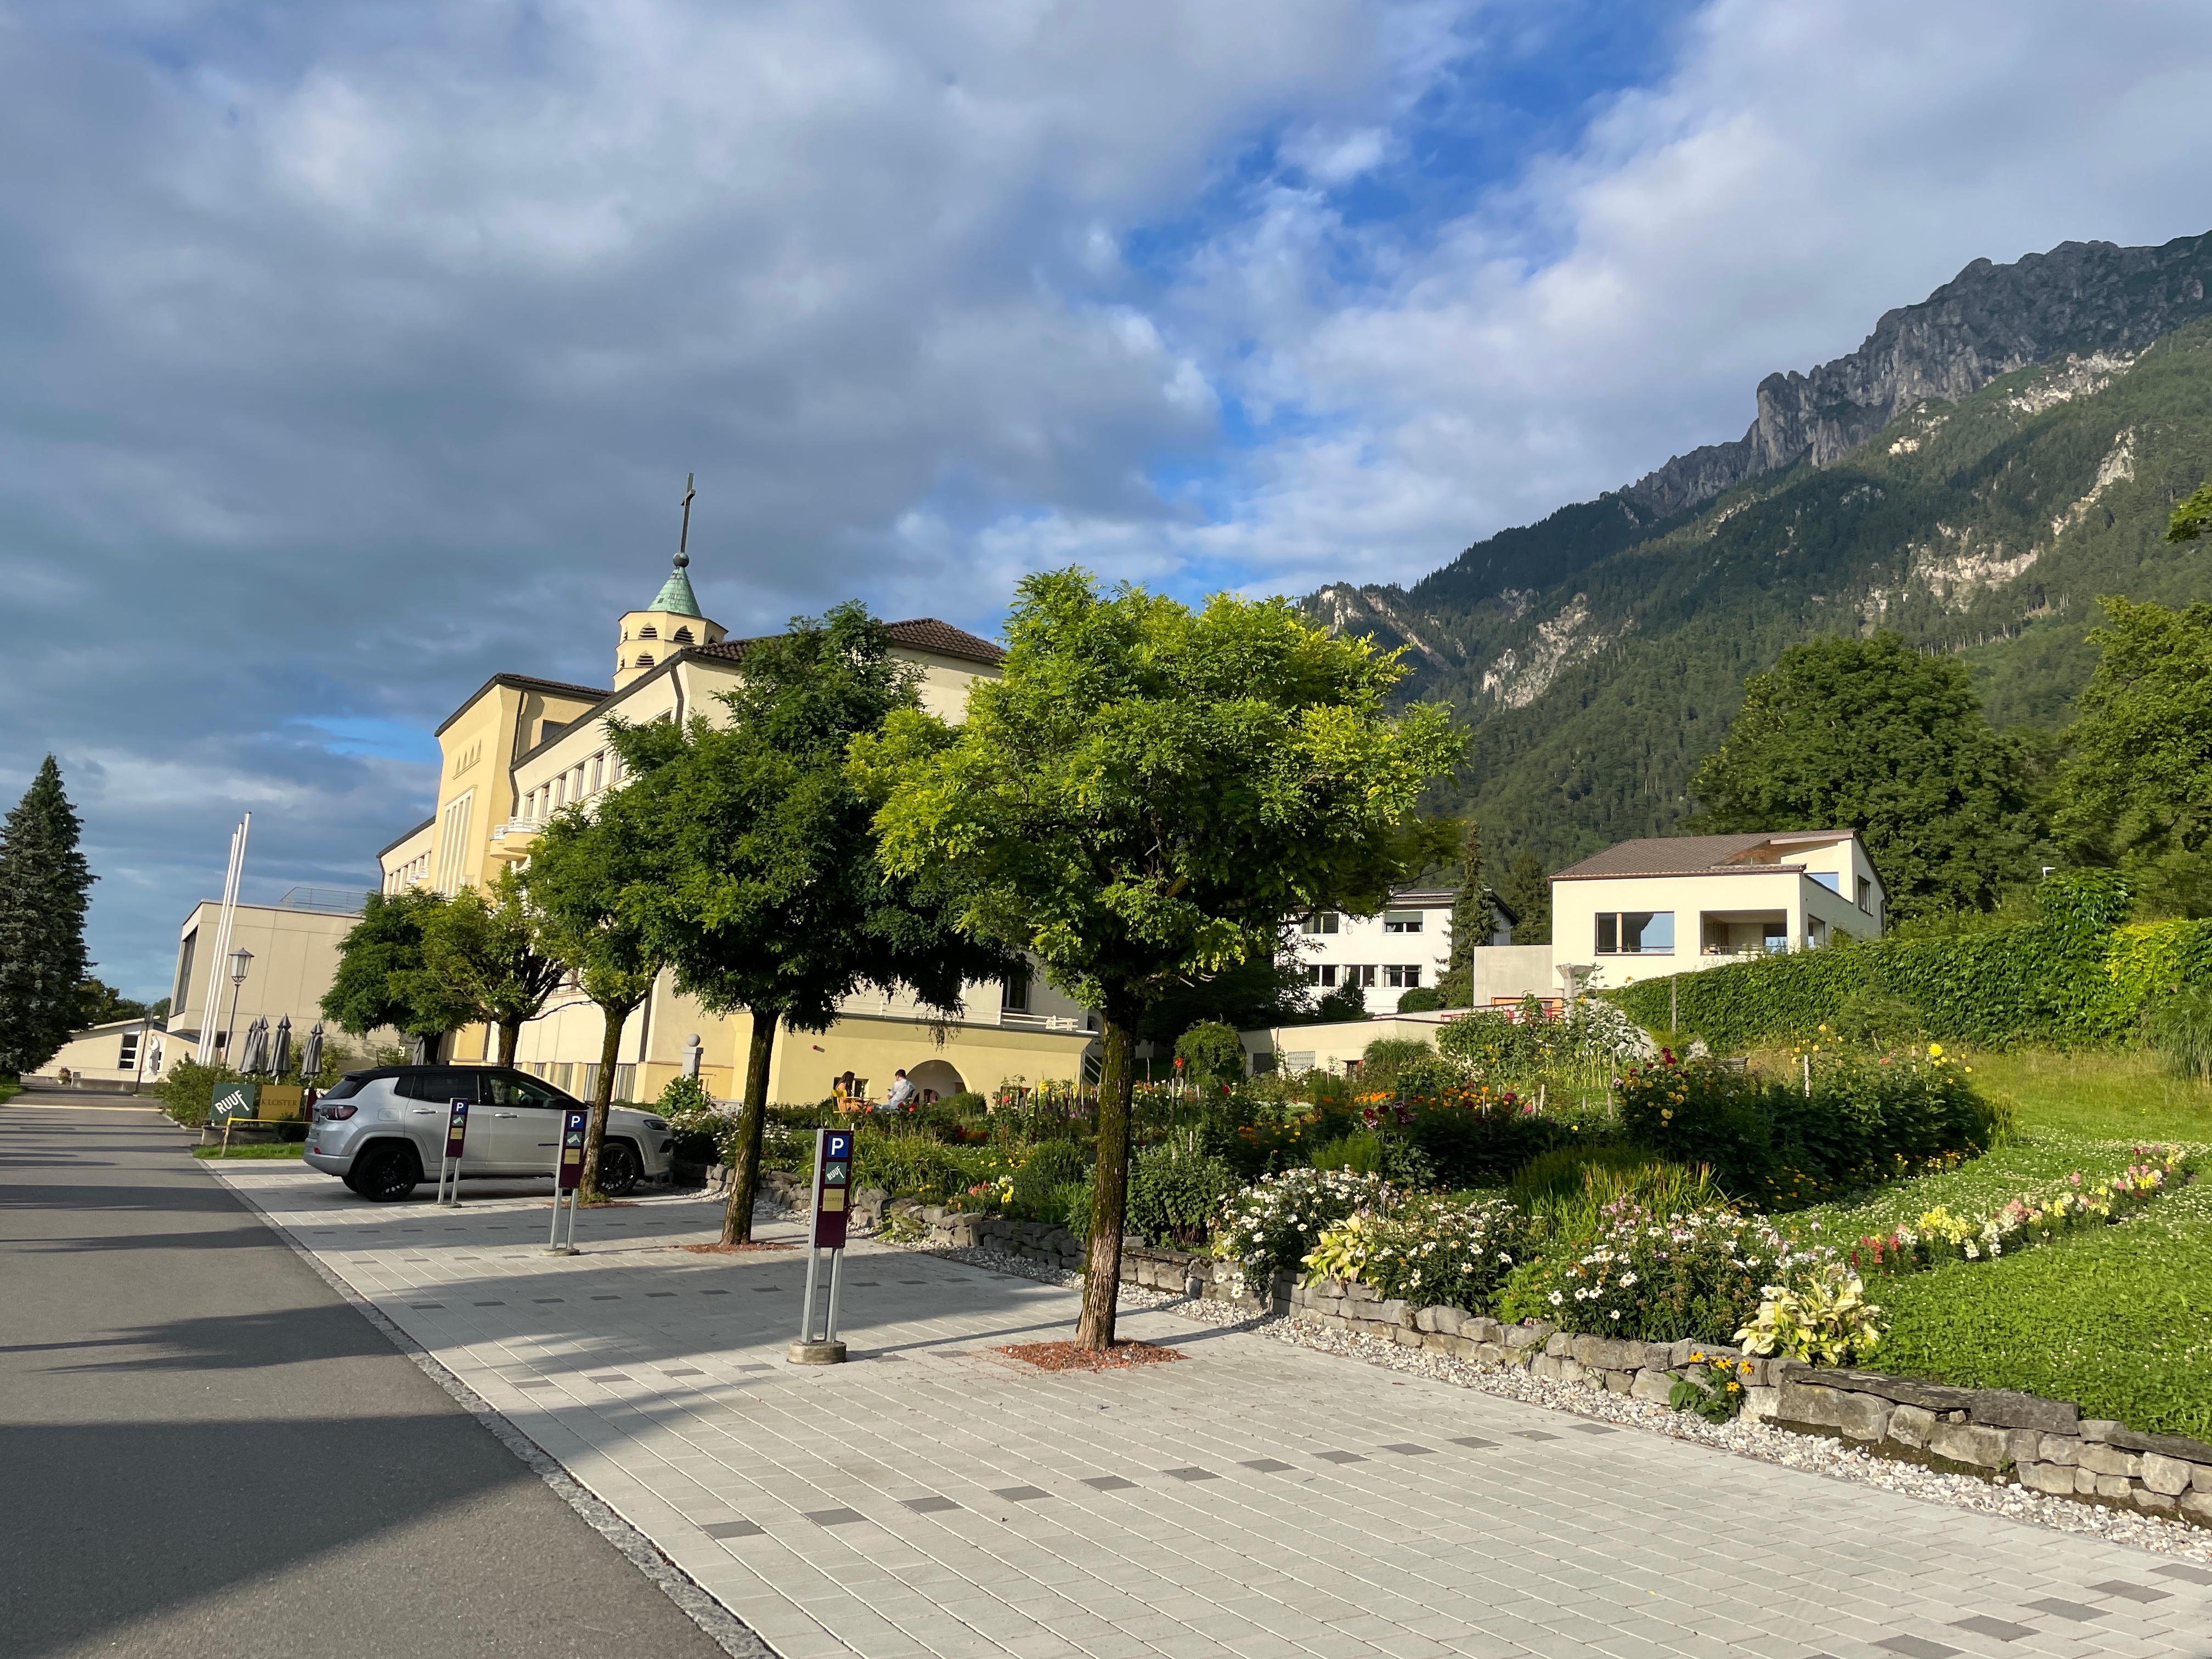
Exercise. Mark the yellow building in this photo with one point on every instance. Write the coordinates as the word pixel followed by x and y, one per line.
pixel 522 748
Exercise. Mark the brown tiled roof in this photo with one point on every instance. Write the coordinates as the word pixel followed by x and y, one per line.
pixel 922 634
pixel 1685 855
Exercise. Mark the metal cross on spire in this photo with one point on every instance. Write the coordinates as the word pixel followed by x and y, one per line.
pixel 683 536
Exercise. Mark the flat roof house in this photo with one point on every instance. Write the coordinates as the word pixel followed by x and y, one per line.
pixel 1671 904
pixel 1404 945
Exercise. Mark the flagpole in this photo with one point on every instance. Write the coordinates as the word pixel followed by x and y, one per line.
pixel 223 930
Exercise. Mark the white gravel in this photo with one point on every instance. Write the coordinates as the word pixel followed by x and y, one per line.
pixel 1814 1453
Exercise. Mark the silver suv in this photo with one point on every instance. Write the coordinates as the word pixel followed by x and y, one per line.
pixel 381 1130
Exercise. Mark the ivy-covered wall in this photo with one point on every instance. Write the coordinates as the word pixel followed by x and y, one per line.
pixel 2077 975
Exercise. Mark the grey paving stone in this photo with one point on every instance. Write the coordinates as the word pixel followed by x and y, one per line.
pixel 1191 1474
pixel 834 1517
pixel 1020 1494
pixel 660 1292
pixel 1340 1457
pixel 606 1299
pixel 730 1530
pixel 1534 1434
pixel 2131 1592
pixel 2003 1629
pixel 1107 1483
pixel 1474 1443
pixel 1406 1448
pixel 491 1304
pixel 2182 1570
pixel 930 1505
pixel 540 1384
pixel 1265 1465
pixel 2064 1609
pixel 608 1376
pixel 1596 1428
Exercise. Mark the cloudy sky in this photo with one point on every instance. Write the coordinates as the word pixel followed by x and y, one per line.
pixel 353 350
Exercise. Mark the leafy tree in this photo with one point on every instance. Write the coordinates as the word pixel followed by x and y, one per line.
pixel 380 980
pixel 2137 787
pixel 158 1009
pixel 767 896
pixel 99 1002
pixel 45 884
pixel 484 955
pixel 1259 992
pixel 1145 795
pixel 584 876
pixel 1346 1002
pixel 2192 518
pixel 1873 735
pixel 1421 999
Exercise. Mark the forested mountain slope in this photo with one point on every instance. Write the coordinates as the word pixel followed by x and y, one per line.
pixel 1599 655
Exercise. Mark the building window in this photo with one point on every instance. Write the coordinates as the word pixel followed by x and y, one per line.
pixel 1403 978
pixel 1636 932
pixel 1401 922
pixel 1362 977
pixel 181 998
pixel 645 660
pixel 648 632
pixel 127 1052
pixel 1321 973
pixel 1014 991
pixel 1321 922
pixel 598 769
pixel 625 1080
pixel 453 844
pixel 614 768
pixel 1834 884
pixel 558 783
pixel 682 636
pixel 1866 895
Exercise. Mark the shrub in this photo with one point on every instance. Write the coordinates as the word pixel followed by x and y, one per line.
pixel 1050 1165
pixel 1271 1224
pixel 906 1165
pixel 1477 1138
pixel 1211 1052
pixel 684 1098
pixel 1421 999
pixel 1430 1250
pixel 1071 1208
pixel 1564 1170
pixel 2180 1028
pixel 1825 1319
pixel 1491 1041
pixel 188 1091
pixel 1360 1151
pixel 1385 1057
pixel 1175 1190
pixel 1874 1019
pixel 1658 1277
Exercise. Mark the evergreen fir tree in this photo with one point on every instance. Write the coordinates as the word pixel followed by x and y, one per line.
pixel 1471 923
pixel 43 887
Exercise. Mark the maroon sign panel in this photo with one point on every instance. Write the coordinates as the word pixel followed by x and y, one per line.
pixel 457 1129
pixel 833 1186
pixel 571 1166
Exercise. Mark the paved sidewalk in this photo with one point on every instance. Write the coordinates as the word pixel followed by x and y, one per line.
pixel 1254 1499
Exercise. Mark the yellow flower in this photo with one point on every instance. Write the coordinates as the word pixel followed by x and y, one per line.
pixel 1934 1051
pixel 1735 1387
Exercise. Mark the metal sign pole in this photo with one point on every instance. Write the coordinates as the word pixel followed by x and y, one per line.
pixel 833 1183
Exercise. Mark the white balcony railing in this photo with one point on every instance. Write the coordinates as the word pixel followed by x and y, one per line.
pixel 1015 1020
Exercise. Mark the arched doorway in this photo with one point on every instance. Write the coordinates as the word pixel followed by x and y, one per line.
pixel 935 1074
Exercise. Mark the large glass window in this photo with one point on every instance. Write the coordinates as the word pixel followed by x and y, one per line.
pixel 1401 922
pixel 1321 973
pixel 1404 977
pixel 1636 932
pixel 1014 991
pixel 1833 882
pixel 1321 922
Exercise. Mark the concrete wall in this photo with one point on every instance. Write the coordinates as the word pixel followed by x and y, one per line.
pixel 295 958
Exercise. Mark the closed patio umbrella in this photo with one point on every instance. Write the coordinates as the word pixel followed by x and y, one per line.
pixel 281 1061
pixel 311 1056
pixel 257 1046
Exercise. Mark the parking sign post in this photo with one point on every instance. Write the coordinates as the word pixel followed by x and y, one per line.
pixel 568 1177
pixel 833 1186
pixel 449 1167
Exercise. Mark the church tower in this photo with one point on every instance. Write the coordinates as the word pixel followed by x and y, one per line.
pixel 672 622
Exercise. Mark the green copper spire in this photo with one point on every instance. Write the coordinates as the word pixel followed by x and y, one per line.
pixel 676 595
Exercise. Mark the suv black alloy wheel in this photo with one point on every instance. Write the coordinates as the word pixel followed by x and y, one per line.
pixel 385 1172
pixel 619 1169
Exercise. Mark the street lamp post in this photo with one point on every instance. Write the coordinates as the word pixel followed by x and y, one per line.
pixel 241 959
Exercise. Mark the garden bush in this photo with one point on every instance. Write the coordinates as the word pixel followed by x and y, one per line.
pixel 1049 1166
pixel 1270 1226
pixel 1211 1053
pixel 1655 1277
pixel 188 1091
pixel 1175 1191
pixel 2179 1027
pixel 1360 1153
pixel 1429 1250
pixel 1566 1169
pixel 1477 1138
pixel 907 1164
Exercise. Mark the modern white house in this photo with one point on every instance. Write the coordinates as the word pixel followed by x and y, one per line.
pixel 1671 904
pixel 1404 945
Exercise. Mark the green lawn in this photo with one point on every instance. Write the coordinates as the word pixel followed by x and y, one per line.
pixel 265 1149
pixel 2118 1319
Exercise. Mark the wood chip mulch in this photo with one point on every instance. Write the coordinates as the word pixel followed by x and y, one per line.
pixel 733 1249
pixel 1067 1356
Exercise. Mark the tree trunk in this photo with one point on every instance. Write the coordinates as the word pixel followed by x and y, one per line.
pixel 603 1093
pixel 1101 1276
pixel 510 1033
pixel 744 1155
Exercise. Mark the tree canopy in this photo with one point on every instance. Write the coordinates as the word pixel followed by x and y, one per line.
pixel 483 956
pixel 380 980
pixel 2136 788
pixel 1873 735
pixel 1144 797
pixel 45 886
pixel 765 895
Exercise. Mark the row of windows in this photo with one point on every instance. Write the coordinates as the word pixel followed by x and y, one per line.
pixel 582 1078
pixel 407 874
pixel 586 777
pixel 1399 975
pixel 1394 921
pixel 681 636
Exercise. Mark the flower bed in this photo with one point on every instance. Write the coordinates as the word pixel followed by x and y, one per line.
pixel 2024 1221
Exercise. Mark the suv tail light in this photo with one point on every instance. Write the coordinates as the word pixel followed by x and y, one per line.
pixel 336 1113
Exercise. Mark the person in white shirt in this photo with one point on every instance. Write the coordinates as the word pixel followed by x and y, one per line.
pixel 902 1093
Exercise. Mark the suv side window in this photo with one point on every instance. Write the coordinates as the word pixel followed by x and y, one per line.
pixel 440 1085
pixel 520 1089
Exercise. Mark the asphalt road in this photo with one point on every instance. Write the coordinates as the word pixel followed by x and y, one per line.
pixel 203 1450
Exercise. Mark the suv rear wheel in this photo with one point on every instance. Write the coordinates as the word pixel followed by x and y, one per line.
pixel 620 1169
pixel 385 1172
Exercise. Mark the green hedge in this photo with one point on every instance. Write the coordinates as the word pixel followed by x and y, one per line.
pixel 2073 975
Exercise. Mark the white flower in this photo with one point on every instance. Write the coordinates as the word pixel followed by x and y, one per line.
pixel 1557 1299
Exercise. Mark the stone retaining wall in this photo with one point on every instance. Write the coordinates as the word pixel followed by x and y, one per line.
pixel 2046 1444
pixel 1155 1267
